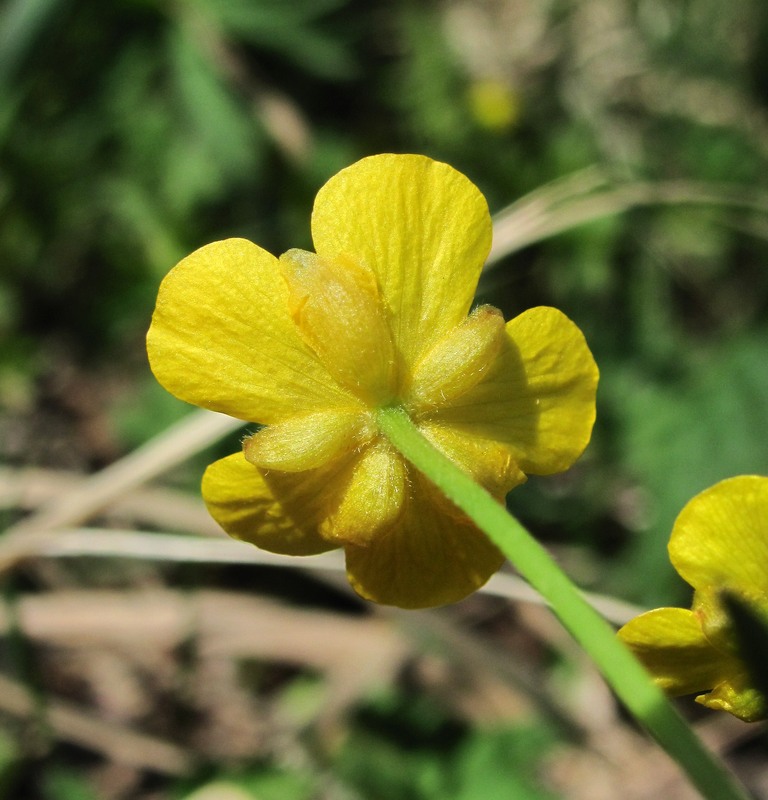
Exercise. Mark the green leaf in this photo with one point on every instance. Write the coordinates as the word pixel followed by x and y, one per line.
pixel 260 783
pixel 214 115
pixel 290 29
pixel 10 761
pixel 274 784
pixel 501 763
pixel 21 24
pixel 64 784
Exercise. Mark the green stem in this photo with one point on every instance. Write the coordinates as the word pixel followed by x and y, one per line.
pixel 621 670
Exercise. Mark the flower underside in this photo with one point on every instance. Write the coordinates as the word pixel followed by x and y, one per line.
pixel 313 344
pixel 339 313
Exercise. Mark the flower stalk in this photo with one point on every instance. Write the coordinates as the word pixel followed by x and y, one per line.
pixel 628 679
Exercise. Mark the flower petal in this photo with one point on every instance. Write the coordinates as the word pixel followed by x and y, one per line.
pixel 738 697
pixel 670 644
pixel 308 441
pixel 720 538
pixel 431 557
pixel 373 500
pixel 222 338
pixel 458 361
pixel 538 398
pixel 338 311
pixel 421 226
pixel 490 464
pixel 244 504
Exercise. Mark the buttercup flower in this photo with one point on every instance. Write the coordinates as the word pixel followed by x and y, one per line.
pixel 719 544
pixel 311 345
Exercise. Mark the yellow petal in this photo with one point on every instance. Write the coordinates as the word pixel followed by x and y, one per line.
pixel 222 338
pixel 490 464
pixel 373 500
pixel 539 397
pixel 738 697
pixel 421 226
pixel 430 558
pixel 720 538
pixel 458 361
pixel 308 441
pixel 240 500
pixel 714 619
pixel 670 644
pixel 338 310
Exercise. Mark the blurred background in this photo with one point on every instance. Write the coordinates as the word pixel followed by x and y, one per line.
pixel 622 146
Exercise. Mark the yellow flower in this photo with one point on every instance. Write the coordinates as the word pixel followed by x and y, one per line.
pixel 311 345
pixel 719 544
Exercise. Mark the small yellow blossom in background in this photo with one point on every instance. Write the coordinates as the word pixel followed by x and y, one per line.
pixel 719 544
pixel 494 105
pixel 311 345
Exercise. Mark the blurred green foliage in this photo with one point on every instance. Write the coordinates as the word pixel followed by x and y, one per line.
pixel 406 748
pixel 395 753
pixel 265 783
pixel 134 131
pixel 65 784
